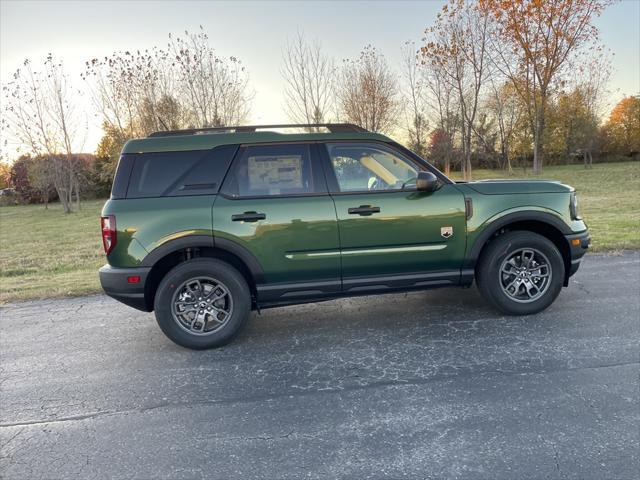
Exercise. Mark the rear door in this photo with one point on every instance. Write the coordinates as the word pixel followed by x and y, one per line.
pixel 391 235
pixel 274 202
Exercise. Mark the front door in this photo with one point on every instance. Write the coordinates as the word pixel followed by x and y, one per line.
pixel 391 235
pixel 274 203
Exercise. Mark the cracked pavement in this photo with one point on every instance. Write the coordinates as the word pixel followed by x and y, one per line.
pixel 421 385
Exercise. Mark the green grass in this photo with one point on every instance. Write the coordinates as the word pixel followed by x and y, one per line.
pixel 608 199
pixel 44 253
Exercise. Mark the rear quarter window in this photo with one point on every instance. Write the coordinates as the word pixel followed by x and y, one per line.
pixel 121 179
pixel 173 174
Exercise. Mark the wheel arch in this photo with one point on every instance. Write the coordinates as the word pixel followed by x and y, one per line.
pixel 542 223
pixel 170 254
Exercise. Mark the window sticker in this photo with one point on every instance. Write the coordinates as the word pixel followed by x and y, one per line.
pixel 275 173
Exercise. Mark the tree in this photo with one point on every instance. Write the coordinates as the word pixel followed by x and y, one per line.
pixel 308 76
pixel 5 175
pixel 414 100
pixel 42 115
pixel 368 91
pixel 504 106
pixel 441 100
pixel 573 127
pixel 135 92
pixel 534 41
pixel 19 179
pixel 622 129
pixel 214 89
pixel 457 45
pixel 41 179
pixel 441 149
pixel 185 85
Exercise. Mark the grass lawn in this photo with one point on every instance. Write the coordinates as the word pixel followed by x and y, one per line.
pixel 44 253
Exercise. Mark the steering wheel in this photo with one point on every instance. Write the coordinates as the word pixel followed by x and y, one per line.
pixel 373 183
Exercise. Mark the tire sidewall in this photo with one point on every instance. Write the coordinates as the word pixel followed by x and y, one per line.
pixel 204 267
pixel 502 248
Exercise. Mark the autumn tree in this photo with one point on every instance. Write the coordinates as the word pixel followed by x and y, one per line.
pixel 368 91
pixel 534 42
pixel 622 129
pixel 41 178
pixel 42 116
pixel 308 77
pixel 457 45
pixel 441 149
pixel 5 175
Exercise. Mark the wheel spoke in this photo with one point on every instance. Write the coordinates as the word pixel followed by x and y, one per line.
pixel 512 284
pixel 525 275
pixel 193 305
pixel 529 286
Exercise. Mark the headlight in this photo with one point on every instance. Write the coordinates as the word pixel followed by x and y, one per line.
pixel 573 207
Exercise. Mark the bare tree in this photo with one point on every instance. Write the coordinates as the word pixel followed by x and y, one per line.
pixel 368 91
pixel 308 76
pixel 133 90
pixel 41 114
pixel 214 89
pixel 414 99
pixel 457 43
pixel 444 108
pixel 504 106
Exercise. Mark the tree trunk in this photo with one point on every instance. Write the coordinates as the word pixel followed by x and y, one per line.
pixel 77 184
pixel 64 199
pixel 467 156
pixel 538 142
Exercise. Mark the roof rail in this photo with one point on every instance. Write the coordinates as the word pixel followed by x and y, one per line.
pixel 332 127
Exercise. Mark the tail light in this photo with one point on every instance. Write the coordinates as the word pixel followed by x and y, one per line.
pixel 108 232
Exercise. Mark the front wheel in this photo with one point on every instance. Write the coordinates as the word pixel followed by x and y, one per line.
pixel 520 273
pixel 202 303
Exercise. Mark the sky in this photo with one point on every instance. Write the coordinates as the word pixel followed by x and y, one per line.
pixel 255 32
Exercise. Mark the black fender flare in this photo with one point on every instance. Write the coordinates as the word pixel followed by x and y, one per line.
pixel 206 241
pixel 494 226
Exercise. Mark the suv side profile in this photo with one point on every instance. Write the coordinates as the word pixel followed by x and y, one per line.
pixel 205 225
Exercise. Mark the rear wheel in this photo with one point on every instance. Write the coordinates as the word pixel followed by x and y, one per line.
pixel 520 273
pixel 202 303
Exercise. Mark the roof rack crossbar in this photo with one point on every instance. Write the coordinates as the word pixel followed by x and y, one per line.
pixel 332 127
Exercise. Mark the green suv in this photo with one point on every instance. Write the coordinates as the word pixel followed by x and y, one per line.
pixel 205 225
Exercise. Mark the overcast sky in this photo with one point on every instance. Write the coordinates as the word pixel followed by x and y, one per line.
pixel 256 33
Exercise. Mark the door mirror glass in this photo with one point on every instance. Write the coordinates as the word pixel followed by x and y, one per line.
pixel 426 182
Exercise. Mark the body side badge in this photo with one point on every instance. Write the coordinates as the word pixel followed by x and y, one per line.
pixel 446 232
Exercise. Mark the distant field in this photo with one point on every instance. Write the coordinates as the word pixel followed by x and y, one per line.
pixel 44 253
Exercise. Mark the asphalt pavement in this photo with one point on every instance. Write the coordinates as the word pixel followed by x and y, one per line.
pixel 422 385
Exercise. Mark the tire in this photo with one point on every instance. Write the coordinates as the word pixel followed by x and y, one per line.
pixel 514 293
pixel 224 297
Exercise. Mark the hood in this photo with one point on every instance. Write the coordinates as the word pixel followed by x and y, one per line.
pixel 502 187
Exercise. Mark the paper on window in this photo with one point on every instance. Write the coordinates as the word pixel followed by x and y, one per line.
pixel 269 173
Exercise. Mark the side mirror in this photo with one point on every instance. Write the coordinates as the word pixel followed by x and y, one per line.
pixel 426 182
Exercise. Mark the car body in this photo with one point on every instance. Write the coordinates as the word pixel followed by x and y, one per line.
pixel 303 217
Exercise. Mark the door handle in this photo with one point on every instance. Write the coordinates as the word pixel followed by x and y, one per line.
pixel 364 210
pixel 248 217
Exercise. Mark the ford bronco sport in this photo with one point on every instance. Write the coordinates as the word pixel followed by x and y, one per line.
pixel 205 225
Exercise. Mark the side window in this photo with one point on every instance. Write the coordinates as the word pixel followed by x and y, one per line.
pixel 271 170
pixel 173 174
pixel 362 167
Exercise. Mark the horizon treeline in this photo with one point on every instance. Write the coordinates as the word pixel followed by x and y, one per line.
pixel 491 84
